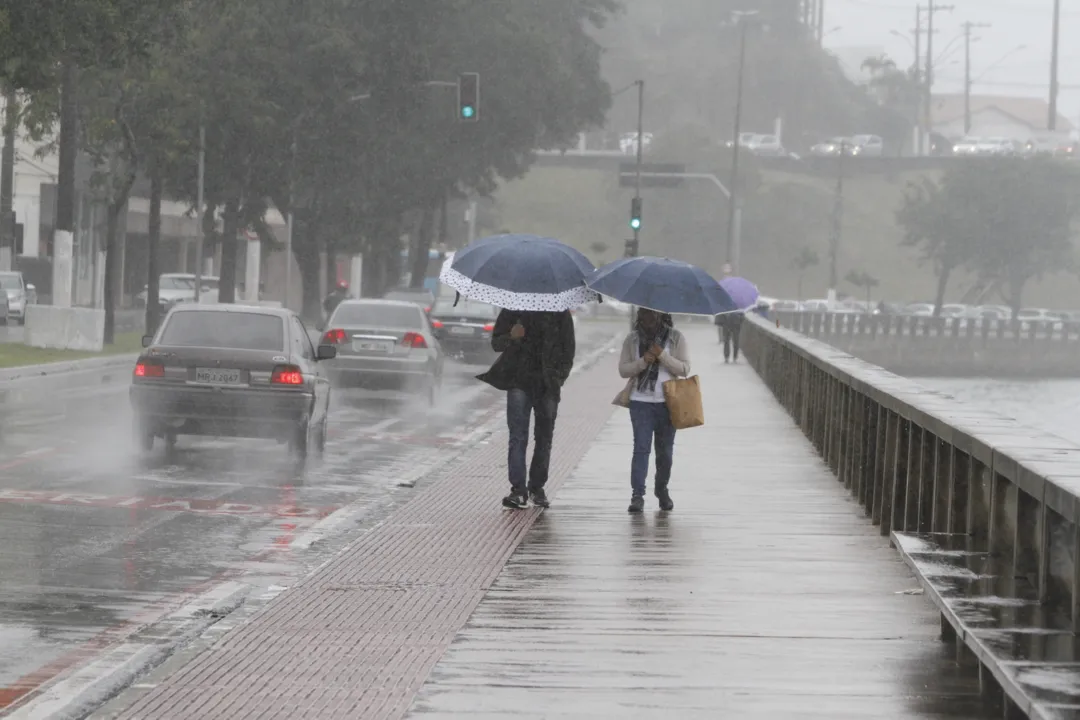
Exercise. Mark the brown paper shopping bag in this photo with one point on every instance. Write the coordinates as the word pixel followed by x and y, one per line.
pixel 683 398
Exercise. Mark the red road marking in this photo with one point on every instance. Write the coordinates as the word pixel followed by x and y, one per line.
pixel 189 505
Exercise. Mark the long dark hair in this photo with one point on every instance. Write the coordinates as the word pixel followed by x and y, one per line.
pixel 663 328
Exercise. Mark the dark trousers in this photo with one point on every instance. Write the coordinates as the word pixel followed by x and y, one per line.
pixel 729 335
pixel 652 426
pixel 520 407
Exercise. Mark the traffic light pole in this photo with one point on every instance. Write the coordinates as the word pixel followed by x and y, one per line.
pixel 640 150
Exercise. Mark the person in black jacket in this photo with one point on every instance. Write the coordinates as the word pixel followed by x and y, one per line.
pixel 537 356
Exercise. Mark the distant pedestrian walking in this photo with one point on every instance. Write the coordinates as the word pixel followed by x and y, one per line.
pixel 730 325
pixel 537 356
pixel 653 353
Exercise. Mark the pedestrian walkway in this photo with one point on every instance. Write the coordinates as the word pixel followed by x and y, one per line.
pixel 766 594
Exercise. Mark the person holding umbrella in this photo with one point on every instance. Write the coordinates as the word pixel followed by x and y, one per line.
pixel 745 296
pixel 655 352
pixel 536 281
pixel 652 353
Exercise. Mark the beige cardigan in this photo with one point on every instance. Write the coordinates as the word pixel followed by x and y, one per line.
pixel 675 359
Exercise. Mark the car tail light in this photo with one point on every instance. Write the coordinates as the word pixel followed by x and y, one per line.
pixel 149 368
pixel 437 324
pixel 334 337
pixel 414 340
pixel 287 375
pixel 427 310
pixel 489 327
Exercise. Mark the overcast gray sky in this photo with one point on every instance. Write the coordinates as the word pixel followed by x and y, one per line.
pixel 1013 22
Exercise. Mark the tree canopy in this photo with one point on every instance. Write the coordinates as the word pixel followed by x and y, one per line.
pixel 1009 220
pixel 342 112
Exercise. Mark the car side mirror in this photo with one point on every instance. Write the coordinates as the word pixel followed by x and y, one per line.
pixel 326 352
pixel 147 340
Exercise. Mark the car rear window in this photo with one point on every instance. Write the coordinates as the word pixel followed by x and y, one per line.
pixel 232 330
pixel 466 308
pixel 407 317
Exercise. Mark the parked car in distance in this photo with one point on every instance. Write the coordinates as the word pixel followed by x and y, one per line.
pixel 998 147
pixel 786 306
pixel 384 345
pixel 867 146
pixel 176 288
pixel 766 146
pixel 919 309
pixel 232 371
pixel 465 329
pixel 831 147
pixel 966 146
pixel 417 296
pixel 19 295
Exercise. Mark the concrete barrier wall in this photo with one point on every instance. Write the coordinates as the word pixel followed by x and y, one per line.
pixel 919 461
pixel 65 328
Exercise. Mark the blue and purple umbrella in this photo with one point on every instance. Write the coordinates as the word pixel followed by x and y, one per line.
pixel 742 292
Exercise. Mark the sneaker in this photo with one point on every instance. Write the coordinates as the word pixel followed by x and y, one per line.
pixel 665 500
pixel 637 504
pixel 539 498
pixel 516 501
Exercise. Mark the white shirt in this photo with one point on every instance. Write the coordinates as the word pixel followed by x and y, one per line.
pixel 657 395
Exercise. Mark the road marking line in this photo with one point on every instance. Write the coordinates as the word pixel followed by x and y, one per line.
pixel 189 505
pixel 383 425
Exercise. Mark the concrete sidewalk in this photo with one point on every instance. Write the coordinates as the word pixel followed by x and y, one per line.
pixel 765 594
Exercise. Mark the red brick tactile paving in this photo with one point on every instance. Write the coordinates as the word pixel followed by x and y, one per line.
pixel 358 638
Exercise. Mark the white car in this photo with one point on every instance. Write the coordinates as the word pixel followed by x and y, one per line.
pixel 175 288
pixel 766 146
pixel 967 146
pixel 867 146
pixel 19 295
pixel 997 147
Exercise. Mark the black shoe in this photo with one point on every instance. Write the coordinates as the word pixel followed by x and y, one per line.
pixel 516 501
pixel 539 498
pixel 637 504
pixel 665 500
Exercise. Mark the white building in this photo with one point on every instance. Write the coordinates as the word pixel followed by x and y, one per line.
pixel 1018 118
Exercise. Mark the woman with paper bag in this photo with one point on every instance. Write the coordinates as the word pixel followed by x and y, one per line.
pixel 653 353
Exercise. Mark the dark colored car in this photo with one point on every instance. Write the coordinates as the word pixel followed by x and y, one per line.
pixel 417 296
pixel 465 329
pixel 384 345
pixel 232 371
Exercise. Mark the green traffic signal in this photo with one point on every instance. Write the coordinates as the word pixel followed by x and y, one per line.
pixel 635 223
pixel 635 214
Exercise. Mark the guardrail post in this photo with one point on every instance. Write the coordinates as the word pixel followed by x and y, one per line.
pixel 959 480
pixel 1029 546
pixel 883 505
pixel 898 494
pixel 926 481
pixel 912 475
pixel 939 518
pixel 978 505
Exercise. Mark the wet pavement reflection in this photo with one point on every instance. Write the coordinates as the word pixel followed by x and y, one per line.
pixel 98 541
pixel 767 593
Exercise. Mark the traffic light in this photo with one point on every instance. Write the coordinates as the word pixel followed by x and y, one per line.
pixel 469 97
pixel 635 214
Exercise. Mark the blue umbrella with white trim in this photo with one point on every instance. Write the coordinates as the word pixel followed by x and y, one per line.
pixel 520 272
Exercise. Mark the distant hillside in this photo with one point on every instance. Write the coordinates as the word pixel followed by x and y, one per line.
pixel 789 211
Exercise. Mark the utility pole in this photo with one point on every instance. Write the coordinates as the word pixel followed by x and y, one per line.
pixel 1051 120
pixel 838 220
pixel 968 27
pixel 733 184
pixel 931 9
pixel 199 210
pixel 820 21
pixel 640 151
pixel 7 178
pixel 919 79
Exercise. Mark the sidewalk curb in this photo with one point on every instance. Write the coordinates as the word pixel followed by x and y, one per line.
pixel 25 372
pixel 94 684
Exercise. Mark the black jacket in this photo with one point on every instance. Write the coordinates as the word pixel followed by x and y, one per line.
pixel 538 363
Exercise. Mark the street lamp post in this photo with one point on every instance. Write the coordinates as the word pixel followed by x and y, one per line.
pixel 199 201
pixel 734 200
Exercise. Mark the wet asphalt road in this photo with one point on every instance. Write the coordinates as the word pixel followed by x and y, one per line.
pixel 97 539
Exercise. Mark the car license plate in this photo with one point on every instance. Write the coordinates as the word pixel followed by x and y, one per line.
pixel 371 346
pixel 217 376
pixel 461 330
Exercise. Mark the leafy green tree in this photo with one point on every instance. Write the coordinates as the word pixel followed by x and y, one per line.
pixel 803 261
pixel 1025 211
pixel 863 280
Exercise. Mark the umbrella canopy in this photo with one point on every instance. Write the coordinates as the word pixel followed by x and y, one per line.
pixel 743 292
pixel 668 286
pixel 520 272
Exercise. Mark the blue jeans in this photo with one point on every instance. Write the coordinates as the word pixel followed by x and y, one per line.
pixel 652 425
pixel 519 409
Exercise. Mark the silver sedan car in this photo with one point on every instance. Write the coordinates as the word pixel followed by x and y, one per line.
pixel 384 345
pixel 232 371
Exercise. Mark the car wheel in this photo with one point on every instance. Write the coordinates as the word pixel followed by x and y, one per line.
pixel 320 438
pixel 144 437
pixel 298 443
pixel 433 391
